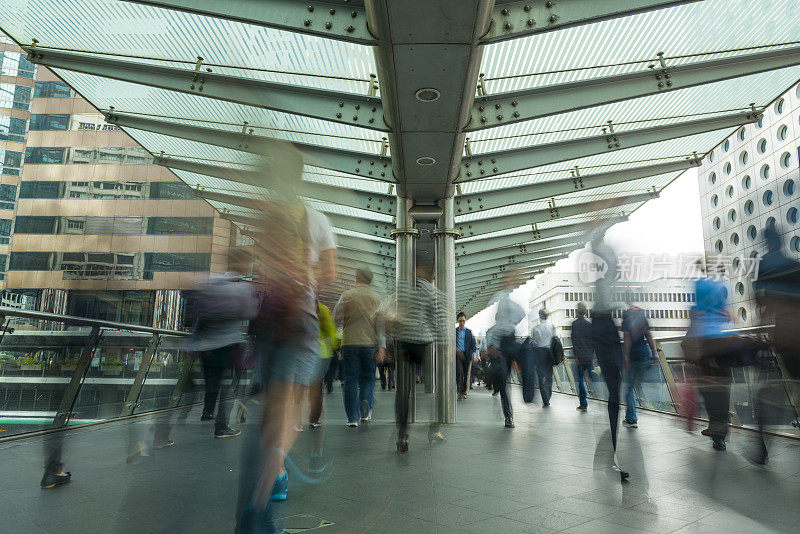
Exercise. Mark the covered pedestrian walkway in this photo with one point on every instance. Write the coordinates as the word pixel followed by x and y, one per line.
pixel 547 475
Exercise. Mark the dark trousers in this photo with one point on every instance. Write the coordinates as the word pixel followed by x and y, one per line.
pixel 358 369
pixel 501 384
pixel 462 374
pixel 527 365
pixel 212 374
pixel 544 373
pixel 715 388
pixel 331 374
pixel 581 369
pixel 386 372
pixel 608 350
pixel 410 356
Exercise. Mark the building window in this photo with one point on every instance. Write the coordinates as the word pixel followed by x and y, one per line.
pixel 22 98
pixel 8 196
pixel 12 129
pixel 49 121
pixel 52 90
pixel 15 64
pixel 35 225
pixel 171 190
pixel 749 208
pixel 10 162
pixel 176 262
pixel 29 261
pixel 768 198
pixel 180 225
pixel 45 155
pixel 40 189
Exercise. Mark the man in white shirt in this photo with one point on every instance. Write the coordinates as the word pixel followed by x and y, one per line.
pixel 541 337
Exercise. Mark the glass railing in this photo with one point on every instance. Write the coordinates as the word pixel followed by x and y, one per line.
pixel 670 381
pixel 58 370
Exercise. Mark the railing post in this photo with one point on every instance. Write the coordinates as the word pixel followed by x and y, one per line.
pixel 138 383
pixel 671 386
pixel 64 411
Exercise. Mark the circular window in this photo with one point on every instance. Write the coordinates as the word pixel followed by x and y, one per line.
pixel 735 239
pixel 765 172
pixel 794 244
pixel 718 245
pixel 753 255
pixel 749 207
pixel 727 145
pixel 752 233
pixel 714 200
pixel 792 216
pixel 742 314
pixel 788 187
pixel 768 198
pixel 783 132
pixel 711 156
pixel 740 288
pixel 717 223
pixel 736 263
pixel 732 215
pixel 760 122
pixel 771 222
pixel 742 134
pixel 712 178
pixel 779 106
pixel 747 182
pixel 727 168
pixel 743 157
pixel 729 191
pixel 786 160
pixel 762 145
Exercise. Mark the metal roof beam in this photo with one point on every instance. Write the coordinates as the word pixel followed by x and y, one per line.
pixel 370 246
pixel 496 163
pixel 532 236
pixel 574 241
pixel 504 264
pixel 360 257
pixel 513 19
pixel 345 108
pixel 365 165
pixel 353 198
pixel 499 198
pixel 494 274
pixel 506 108
pixel 495 224
pixel 345 222
pixel 342 20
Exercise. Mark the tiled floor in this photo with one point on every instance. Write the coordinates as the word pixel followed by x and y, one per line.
pixel 550 474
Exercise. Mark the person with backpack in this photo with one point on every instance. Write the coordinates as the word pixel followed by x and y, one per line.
pixel 542 337
pixel 639 351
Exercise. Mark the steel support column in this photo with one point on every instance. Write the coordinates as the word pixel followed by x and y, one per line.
pixel 405 235
pixel 445 367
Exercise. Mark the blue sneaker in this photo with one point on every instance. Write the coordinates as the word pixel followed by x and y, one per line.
pixel 280 490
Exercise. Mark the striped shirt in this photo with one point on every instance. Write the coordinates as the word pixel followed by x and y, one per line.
pixel 416 313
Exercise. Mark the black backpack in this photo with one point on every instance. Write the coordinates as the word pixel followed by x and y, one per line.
pixel 557 350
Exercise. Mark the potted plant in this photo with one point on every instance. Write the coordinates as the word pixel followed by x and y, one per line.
pixel 29 364
pixel 113 366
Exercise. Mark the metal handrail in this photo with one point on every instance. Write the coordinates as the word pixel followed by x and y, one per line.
pixel 84 321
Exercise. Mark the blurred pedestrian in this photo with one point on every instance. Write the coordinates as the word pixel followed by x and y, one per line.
pixel 218 335
pixel 640 352
pixel 465 353
pixel 583 350
pixel 386 369
pixel 356 314
pixel 542 338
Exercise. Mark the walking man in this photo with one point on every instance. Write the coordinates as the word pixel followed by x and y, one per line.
pixel 542 337
pixel 465 352
pixel 355 313
pixel 584 352
pixel 640 351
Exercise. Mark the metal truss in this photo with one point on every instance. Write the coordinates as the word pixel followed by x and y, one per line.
pixel 495 224
pixel 369 166
pixel 346 108
pixel 575 241
pixel 342 20
pixel 513 18
pixel 497 163
pixel 498 198
pixel 344 222
pixel 503 264
pixel 499 109
pixel 534 235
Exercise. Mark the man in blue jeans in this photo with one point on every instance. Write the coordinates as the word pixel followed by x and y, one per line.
pixel 355 313
pixel 583 350
pixel 640 351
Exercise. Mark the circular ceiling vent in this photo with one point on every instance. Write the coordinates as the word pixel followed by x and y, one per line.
pixel 427 94
pixel 426 160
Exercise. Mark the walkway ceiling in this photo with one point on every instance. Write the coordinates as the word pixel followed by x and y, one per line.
pixel 543 118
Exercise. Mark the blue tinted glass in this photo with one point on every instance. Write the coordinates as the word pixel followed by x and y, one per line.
pixel 51 90
pixel 49 121
pixel 12 129
pixel 41 154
